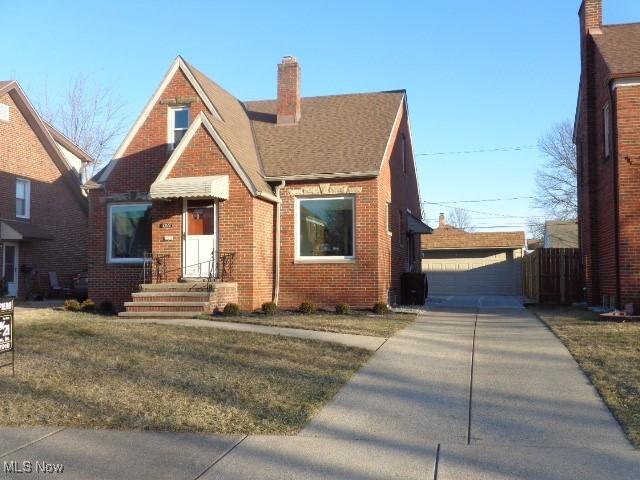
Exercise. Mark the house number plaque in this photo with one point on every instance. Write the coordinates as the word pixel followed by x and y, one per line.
pixel 166 225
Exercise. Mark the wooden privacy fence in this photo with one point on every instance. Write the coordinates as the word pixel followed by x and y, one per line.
pixel 553 275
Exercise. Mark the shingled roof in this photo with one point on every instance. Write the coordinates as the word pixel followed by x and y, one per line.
pixel 620 47
pixel 234 128
pixel 450 238
pixel 337 134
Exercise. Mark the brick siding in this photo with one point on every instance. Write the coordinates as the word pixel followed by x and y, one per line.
pixel 55 208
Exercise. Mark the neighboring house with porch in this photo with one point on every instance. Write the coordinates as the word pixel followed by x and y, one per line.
pixel 458 262
pixel 299 199
pixel 43 211
pixel 607 138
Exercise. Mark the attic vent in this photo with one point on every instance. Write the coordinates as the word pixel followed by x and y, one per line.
pixel 4 112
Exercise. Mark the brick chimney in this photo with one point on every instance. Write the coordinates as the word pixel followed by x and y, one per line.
pixel 288 91
pixel 441 222
pixel 590 17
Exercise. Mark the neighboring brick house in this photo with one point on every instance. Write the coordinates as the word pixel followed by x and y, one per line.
pixel 43 211
pixel 469 263
pixel 607 137
pixel 317 199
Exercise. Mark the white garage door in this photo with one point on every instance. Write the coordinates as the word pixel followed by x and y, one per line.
pixel 473 272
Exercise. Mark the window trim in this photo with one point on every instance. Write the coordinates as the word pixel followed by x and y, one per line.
pixel 607 129
pixel 296 225
pixel 27 198
pixel 116 261
pixel 171 139
pixel 390 219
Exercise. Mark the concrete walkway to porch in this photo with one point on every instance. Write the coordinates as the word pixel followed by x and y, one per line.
pixel 358 341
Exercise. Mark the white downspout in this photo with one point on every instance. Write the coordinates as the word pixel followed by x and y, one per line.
pixel 276 270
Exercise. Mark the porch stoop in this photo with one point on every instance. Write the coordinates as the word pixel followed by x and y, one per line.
pixel 179 299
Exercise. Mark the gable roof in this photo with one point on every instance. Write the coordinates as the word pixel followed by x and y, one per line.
pixel 45 136
pixel 234 129
pixel 451 238
pixel 620 47
pixel 337 134
pixel 207 121
pixel 67 143
pixel 561 234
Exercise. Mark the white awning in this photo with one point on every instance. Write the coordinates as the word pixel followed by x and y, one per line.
pixel 188 187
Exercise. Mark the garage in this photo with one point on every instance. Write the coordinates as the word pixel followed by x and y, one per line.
pixel 458 262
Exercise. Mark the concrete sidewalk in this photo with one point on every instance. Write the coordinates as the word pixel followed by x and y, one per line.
pixel 530 412
pixel 359 341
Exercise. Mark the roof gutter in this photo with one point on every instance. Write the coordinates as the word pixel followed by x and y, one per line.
pixel 321 176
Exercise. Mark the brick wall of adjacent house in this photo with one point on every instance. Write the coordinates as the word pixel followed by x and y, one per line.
pixel 55 208
pixel 397 185
pixel 628 153
pixel 598 177
pixel 245 222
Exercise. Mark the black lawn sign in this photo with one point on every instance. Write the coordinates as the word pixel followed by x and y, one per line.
pixel 6 334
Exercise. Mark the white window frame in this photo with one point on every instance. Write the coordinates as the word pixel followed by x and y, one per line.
pixel 171 124
pixel 390 219
pixel 328 258
pixel 606 113
pixel 109 235
pixel 27 198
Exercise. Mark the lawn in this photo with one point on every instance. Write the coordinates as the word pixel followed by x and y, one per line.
pixel 78 370
pixel 609 353
pixel 358 323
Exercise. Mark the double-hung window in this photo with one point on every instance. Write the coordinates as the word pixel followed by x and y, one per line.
pixel 128 232
pixel 178 125
pixel 325 228
pixel 23 198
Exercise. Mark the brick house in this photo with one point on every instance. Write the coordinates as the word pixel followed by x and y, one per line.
pixel 607 138
pixel 43 211
pixel 458 262
pixel 299 199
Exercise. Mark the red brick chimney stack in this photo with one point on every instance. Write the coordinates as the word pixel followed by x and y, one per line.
pixel 288 91
pixel 591 16
pixel 441 222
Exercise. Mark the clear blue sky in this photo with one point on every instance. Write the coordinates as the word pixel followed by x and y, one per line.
pixel 479 75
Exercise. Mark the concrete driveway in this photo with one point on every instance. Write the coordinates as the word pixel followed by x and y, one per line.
pixel 477 388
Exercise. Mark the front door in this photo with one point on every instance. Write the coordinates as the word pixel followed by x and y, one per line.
pixel 10 268
pixel 200 238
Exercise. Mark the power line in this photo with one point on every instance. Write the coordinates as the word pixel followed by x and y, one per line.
pixel 493 214
pixel 487 150
pixel 486 200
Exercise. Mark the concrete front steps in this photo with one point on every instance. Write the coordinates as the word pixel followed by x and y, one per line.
pixel 179 299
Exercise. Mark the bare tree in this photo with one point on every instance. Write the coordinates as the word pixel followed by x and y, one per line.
pixel 460 218
pixel 556 182
pixel 90 115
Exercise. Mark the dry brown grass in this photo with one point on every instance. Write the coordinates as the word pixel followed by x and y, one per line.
pixel 384 326
pixel 81 370
pixel 609 353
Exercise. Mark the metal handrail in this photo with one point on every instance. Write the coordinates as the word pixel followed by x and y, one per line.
pixel 154 267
